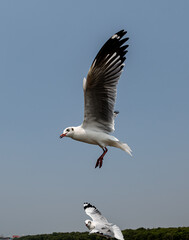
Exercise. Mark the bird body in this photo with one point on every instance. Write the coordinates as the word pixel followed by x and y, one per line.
pixel 98 138
pixel 89 136
pixel 99 98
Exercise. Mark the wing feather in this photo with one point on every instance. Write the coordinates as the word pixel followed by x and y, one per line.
pixel 94 213
pixel 117 232
pixel 100 85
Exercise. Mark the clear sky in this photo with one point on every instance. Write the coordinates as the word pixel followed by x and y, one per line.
pixel 46 48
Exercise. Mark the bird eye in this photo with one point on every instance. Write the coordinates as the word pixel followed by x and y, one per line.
pixel 67 130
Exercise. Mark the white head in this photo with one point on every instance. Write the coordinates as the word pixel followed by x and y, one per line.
pixel 68 132
pixel 89 224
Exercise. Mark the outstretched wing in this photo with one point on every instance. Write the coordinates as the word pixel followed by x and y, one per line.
pixel 117 232
pixel 94 213
pixel 100 85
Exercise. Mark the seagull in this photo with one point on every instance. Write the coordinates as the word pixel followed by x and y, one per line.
pixel 100 225
pixel 99 98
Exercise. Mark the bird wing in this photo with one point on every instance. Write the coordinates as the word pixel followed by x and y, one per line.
pixel 117 232
pixel 105 231
pixel 94 213
pixel 100 85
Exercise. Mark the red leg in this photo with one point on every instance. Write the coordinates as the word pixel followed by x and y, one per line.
pixel 100 159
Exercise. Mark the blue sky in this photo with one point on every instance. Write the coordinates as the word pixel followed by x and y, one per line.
pixel 46 48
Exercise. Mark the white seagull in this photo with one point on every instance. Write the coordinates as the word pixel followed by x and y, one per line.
pixel 99 98
pixel 100 225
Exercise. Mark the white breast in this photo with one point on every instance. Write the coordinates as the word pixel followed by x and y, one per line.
pixel 91 136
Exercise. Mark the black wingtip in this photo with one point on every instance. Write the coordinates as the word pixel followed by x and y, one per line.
pixel 88 205
pixel 114 44
pixel 121 33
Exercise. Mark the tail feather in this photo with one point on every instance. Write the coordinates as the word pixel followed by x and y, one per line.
pixel 124 147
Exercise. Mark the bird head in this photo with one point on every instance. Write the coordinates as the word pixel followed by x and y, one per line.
pixel 68 132
pixel 88 224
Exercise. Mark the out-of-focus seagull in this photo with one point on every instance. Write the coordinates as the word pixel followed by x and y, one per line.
pixel 99 98
pixel 100 225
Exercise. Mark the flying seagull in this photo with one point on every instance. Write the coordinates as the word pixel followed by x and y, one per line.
pixel 100 225
pixel 99 98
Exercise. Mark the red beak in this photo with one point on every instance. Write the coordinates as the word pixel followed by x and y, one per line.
pixel 62 135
